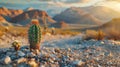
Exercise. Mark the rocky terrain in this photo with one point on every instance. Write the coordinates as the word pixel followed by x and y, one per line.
pixel 63 51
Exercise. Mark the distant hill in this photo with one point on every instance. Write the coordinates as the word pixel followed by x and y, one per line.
pixel 9 12
pixel 74 15
pixel 6 14
pixel 61 24
pixel 103 13
pixel 27 16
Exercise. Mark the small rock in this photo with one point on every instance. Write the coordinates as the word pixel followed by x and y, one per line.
pixel 42 66
pixel 32 63
pixel 78 63
pixel 21 60
pixel 21 54
pixel 31 54
pixel 57 50
pixel 9 53
pixel 102 42
pixel 7 60
pixel 110 54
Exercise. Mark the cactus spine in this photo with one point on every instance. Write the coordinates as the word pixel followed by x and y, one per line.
pixel 34 35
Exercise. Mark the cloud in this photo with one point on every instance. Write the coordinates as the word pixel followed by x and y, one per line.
pixel 113 0
pixel 72 3
pixel 68 1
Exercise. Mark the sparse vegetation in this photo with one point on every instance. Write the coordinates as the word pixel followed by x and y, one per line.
pixel 92 34
pixel 66 32
pixel 112 34
pixel 16 46
pixel 100 35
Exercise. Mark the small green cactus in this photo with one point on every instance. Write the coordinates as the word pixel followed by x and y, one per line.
pixel 34 35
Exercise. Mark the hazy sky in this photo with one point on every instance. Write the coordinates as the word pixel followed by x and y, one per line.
pixel 115 4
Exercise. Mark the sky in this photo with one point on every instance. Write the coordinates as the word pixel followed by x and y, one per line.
pixel 46 4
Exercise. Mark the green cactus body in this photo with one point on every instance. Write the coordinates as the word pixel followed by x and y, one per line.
pixel 34 35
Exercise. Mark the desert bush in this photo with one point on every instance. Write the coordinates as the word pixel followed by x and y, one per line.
pixel 100 35
pixel 92 34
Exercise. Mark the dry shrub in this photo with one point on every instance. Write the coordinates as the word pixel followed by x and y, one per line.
pixel 100 35
pixel 92 34
pixel 67 32
pixel 113 34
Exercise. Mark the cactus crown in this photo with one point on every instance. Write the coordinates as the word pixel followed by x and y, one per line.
pixel 36 22
pixel 34 34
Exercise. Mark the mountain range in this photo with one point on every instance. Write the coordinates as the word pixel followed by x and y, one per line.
pixel 93 15
pixel 88 15
pixel 27 16
pixel 74 15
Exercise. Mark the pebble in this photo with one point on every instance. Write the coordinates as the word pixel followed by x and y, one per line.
pixel 9 53
pixel 20 60
pixel 7 60
pixel 31 54
pixel 21 54
pixel 32 63
pixel 78 63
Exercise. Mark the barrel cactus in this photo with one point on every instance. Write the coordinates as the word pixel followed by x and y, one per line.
pixel 34 35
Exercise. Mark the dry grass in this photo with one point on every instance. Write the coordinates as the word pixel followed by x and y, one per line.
pixel 65 32
pixel 110 33
pixel 92 34
pixel 23 31
pixel 18 31
pixel 14 31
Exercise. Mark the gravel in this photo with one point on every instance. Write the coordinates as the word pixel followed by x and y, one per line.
pixel 65 51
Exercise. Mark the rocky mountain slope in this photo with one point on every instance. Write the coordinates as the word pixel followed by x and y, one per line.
pixel 77 16
pixel 27 16
pixel 9 12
